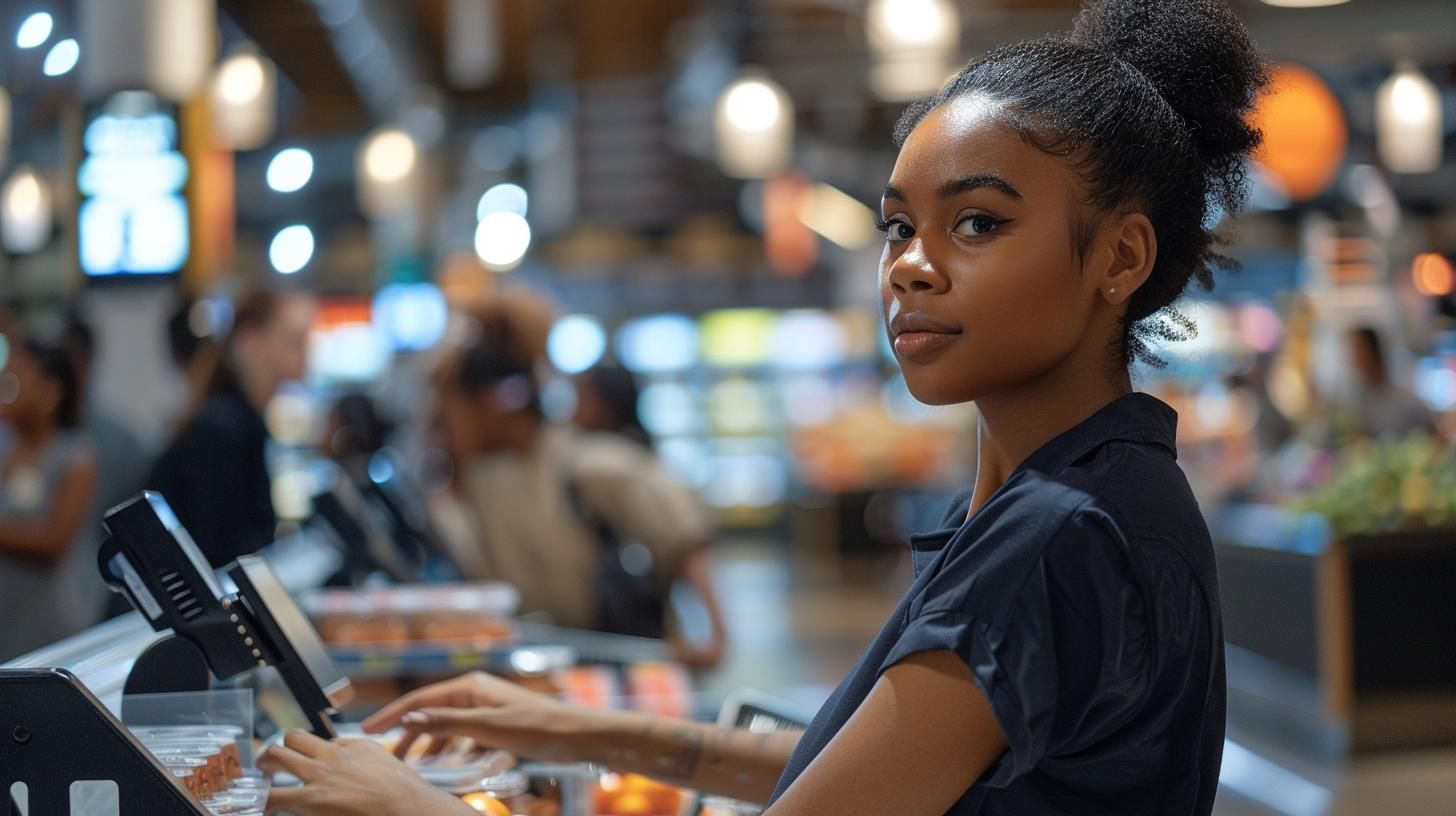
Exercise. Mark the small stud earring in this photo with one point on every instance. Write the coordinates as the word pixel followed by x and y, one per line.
pixel 1112 291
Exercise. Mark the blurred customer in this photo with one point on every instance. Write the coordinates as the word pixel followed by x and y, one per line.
pixel 354 434
pixel 122 460
pixel 47 496
pixel 589 527
pixel 388 510
pixel 1383 409
pixel 1271 429
pixel 607 400
pixel 194 354
pixel 215 473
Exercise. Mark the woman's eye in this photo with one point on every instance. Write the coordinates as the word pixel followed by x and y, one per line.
pixel 978 225
pixel 896 230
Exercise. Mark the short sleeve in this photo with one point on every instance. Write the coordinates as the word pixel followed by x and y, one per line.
pixel 1052 627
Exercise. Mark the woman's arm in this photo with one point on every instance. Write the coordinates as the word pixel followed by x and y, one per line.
pixel 924 735
pixel 50 538
pixel 729 762
pixel 696 570
pixel 740 764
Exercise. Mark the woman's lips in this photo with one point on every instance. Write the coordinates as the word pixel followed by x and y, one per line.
pixel 915 345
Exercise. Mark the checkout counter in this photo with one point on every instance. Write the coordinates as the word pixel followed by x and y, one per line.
pixel 82 732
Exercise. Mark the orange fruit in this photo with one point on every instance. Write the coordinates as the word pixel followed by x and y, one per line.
pixel 487 804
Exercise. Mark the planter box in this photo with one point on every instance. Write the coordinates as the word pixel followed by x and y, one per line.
pixel 1372 618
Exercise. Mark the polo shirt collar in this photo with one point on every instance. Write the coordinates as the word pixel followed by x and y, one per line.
pixel 1134 417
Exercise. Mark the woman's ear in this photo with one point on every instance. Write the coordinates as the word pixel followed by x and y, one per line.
pixel 1129 251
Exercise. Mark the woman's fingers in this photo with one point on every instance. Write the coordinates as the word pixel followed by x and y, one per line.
pixel 307 744
pixel 450 722
pixel 451 693
pixel 281 758
pixel 406 742
pixel 286 800
pixel 437 746
pixel 389 716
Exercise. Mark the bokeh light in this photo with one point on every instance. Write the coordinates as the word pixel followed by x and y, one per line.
pixel 1305 132
pixel 290 170
pixel 291 249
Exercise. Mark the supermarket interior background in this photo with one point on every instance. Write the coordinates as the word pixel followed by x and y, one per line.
pixel 686 192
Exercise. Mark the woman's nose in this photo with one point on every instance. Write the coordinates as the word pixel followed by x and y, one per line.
pixel 913 271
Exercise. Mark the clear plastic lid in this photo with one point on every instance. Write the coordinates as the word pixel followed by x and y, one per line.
pixel 220 730
pixel 506 785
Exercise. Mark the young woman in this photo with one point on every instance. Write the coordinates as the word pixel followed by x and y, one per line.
pixel 215 473
pixel 47 498
pixel 1060 651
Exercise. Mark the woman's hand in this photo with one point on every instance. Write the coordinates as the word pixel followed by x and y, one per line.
pixel 698 656
pixel 351 778
pixel 493 712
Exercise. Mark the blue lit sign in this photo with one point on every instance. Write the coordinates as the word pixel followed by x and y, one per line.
pixel 133 218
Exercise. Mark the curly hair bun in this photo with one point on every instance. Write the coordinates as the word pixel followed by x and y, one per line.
pixel 1201 59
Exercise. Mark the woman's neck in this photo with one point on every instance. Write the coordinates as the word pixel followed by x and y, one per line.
pixel 1016 422
pixel 258 391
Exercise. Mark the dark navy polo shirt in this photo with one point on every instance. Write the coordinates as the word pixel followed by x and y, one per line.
pixel 1083 597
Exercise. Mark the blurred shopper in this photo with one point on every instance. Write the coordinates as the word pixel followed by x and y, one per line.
pixel 194 354
pixel 589 527
pixel 607 400
pixel 1061 650
pixel 47 502
pixel 1383 409
pixel 354 434
pixel 215 473
pixel 387 509
pixel 122 460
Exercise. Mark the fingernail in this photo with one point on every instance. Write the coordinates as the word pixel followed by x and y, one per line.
pixel 415 718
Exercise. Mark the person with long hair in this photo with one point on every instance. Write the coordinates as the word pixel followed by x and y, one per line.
pixel 1060 650
pixel 215 472
pixel 47 497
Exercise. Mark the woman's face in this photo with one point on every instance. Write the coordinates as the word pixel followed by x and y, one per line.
pixel 981 287
pixel 278 350
pixel 25 393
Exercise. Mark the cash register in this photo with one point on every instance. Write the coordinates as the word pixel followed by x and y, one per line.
pixel 56 737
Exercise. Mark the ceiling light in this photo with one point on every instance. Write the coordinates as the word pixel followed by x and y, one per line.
pixel 35 30
pixel 62 57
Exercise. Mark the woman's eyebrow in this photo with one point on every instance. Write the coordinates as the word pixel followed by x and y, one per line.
pixel 964 184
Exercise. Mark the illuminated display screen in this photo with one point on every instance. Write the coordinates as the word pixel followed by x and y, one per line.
pixel 737 338
pixel 133 218
pixel 658 343
pixel 411 316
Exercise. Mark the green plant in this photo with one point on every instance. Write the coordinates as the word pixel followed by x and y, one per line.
pixel 1382 487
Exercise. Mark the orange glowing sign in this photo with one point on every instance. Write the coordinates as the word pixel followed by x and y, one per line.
pixel 1305 132
pixel 1433 275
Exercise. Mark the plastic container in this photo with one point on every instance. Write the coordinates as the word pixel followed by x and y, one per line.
pixel 220 739
pixel 189 774
pixel 213 768
pixel 719 806
pixel 510 788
